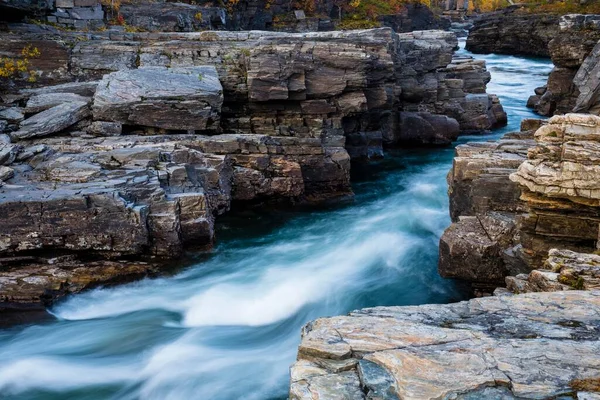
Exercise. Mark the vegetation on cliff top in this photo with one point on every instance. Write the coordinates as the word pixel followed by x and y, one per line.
pixel 542 6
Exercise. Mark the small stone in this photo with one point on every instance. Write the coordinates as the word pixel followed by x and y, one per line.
pixel 105 128
pixel 12 114
pixel 6 173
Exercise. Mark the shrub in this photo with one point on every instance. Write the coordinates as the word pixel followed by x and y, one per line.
pixel 19 68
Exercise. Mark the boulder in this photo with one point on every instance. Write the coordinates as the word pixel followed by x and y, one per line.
pixel 426 128
pixel 572 52
pixel 169 98
pixel 44 101
pixel 53 120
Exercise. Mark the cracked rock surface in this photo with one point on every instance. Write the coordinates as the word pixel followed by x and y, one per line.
pixel 531 346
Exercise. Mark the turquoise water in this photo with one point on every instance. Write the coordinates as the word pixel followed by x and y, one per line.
pixel 227 326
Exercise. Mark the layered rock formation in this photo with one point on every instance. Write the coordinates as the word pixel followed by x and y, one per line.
pixel 563 270
pixel 513 347
pixel 482 245
pixel 506 227
pixel 574 42
pixel 511 32
pixel 138 163
pixel 559 184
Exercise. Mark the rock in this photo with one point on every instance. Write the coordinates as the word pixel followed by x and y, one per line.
pixel 8 153
pixel 85 89
pixel 461 350
pixel 510 32
pixel 104 128
pixel 569 50
pixel 42 282
pixel 12 115
pixel 55 119
pixel 44 101
pixel 177 98
pixel 558 186
pixel 173 17
pixel 425 128
pixel 6 173
pixel 587 81
pixel 468 252
pixel 482 246
pixel 566 270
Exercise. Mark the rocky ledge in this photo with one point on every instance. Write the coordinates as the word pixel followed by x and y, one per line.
pixel 573 83
pixel 510 31
pixel 131 165
pixel 563 270
pixel 514 200
pixel 530 346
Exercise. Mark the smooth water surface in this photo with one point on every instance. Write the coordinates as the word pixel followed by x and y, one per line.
pixel 227 327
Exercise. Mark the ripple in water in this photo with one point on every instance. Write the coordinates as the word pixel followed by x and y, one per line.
pixel 228 326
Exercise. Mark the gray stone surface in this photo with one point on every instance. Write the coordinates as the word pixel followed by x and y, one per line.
pixel 44 101
pixel 176 98
pixel 51 121
pixel 530 346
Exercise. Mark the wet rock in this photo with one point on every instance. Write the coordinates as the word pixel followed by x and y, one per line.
pixel 462 350
pixel 175 98
pixel 425 128
pixel 53 120
pixel 43 281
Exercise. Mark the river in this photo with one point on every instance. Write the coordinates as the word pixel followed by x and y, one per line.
pixel 227 326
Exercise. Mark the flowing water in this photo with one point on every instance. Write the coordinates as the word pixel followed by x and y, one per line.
pixel 228 325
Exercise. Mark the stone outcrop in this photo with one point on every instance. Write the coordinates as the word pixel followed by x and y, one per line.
pixel 173 17
pixel 537 345
pixel 563 270
pixel 587 81
pixel 514 200
pixel 569 50
pixel 510 31
pixel 558 183
pixel 165 131
pixel 412 72
pixel 187 99
pixel 482 246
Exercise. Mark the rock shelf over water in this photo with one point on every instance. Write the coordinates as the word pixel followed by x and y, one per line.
pixel 523 346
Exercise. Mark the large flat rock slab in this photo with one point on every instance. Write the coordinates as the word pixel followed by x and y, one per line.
pixel 530 346
pixel 187 98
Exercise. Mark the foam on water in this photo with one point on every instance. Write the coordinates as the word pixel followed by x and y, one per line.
pixel 227 327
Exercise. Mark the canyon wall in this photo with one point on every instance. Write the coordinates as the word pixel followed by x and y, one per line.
pixel 512 32
pixel 162 132
pixel 569 49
